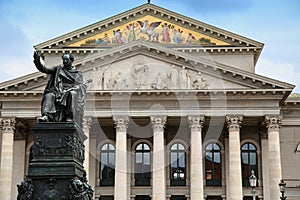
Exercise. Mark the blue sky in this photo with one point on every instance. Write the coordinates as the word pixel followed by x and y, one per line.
pixel 276 23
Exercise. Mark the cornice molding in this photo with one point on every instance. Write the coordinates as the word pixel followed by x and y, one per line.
pixel 151 49
pixel 208 92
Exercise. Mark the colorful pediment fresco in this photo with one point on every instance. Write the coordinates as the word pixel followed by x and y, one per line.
pixel 152 29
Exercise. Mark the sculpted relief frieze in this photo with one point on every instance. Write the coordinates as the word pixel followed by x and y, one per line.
pixel 144 75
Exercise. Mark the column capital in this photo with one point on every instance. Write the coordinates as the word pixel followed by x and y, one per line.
pixel 8 124
pixel 234 122
pixel 196 122
pixel 273 122
pixel 121 122
pixel 158 122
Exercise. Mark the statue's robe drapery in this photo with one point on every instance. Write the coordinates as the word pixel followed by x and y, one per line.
pixel 61 83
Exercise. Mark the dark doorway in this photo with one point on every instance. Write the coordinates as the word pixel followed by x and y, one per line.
pixel 142 197
pixel 178 197
pixel 106 197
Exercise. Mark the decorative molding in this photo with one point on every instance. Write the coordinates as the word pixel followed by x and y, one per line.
pixel 121 123
pixel 8 124
pixel 158 123
pixel 144 47
pixel 196 122
pixel 234 122
pixel 273 123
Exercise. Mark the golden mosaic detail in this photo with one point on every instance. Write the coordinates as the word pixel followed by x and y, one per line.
pixel 149 28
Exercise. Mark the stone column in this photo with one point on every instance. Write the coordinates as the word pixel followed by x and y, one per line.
pixel 159 164
pixel 87 122
pixel 273 127
pixel 121 182
pixel 6 167
pixel 196 177
pixel 265 164
pixel 226 141
pixel 235 171
pixel 18 160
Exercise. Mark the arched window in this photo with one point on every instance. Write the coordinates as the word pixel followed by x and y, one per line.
pixel 178 165
pixel 213 165
pixel 142 173
pixel 107 165
pixel 249 162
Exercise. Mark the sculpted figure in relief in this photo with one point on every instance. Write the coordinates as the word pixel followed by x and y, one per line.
pixel 199 82
pixel 159 82
pixel 183 78
pixel 107 79
pixel 120 82
pixel 173 75
pixel 140 72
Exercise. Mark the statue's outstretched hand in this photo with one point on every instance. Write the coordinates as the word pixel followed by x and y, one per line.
pixel 38 61
pixel 36 56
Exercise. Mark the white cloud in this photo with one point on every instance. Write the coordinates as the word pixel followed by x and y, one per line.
pixel 285 72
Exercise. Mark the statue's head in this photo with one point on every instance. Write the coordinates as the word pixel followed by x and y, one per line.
pixel 68 60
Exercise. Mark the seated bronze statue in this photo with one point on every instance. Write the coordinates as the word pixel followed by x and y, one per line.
pixel 64 95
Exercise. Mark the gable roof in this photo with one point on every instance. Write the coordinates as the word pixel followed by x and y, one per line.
pixel 225 40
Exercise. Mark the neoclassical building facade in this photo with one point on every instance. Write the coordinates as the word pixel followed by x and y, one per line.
pixel 175 111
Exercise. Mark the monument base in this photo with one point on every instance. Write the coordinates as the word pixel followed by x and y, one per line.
pixel 56 166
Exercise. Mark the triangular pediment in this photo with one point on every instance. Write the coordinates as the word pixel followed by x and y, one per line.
pixel 150 28
pixel 148 22
pixel 146 66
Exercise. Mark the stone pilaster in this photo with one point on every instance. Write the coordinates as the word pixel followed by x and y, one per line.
pixel 196 123
pixel 235 172
pixel 273 126
pixel 121 180
pixel 87 122
pixel 6 167
pixel 159 164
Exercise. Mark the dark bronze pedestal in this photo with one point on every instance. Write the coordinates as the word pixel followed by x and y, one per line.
pixel 56 168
